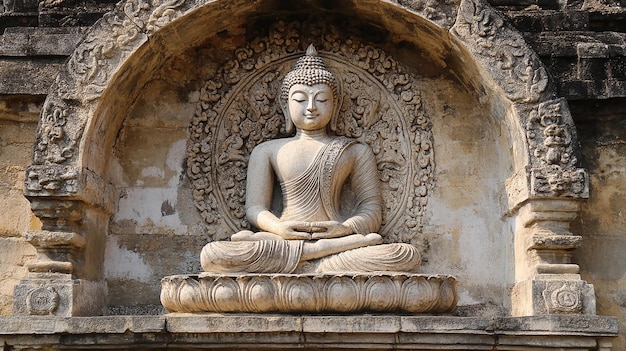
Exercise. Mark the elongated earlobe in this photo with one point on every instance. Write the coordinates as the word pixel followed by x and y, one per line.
pixel 288 122
pixel 334 119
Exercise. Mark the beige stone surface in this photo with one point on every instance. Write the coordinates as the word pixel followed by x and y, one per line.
pixel 602 221
pixel 284 332
pixel 163 90
pixel 17 133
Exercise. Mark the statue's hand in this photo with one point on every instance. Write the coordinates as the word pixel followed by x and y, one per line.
pixel 330 229
pixel 294 230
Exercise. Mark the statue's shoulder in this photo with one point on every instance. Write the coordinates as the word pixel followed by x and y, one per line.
pixel 352 144
pixel 270 146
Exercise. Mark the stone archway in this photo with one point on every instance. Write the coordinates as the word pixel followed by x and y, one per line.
pixel 69 190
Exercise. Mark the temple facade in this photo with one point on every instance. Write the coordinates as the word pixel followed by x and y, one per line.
pixel 496 128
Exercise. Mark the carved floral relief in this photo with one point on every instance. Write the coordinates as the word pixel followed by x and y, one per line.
pixel 504 51
pixel 102 50
pixel 442 12
pixel 55 150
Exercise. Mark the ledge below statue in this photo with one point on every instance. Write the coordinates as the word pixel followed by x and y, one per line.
pixel 345 293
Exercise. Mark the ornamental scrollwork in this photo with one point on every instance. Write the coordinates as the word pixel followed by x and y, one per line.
pixel 381 106
pixel 502 50
pixel 441 12
pixel 101 50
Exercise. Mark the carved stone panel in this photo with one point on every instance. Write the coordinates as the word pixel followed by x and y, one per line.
pixel 503 50
pixel 552 145
pixel 381 106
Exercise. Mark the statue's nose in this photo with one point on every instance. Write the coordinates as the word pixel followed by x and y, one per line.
pixel 311 105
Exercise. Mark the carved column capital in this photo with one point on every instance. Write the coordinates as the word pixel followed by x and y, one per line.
pixel 66 182
pixel 56 251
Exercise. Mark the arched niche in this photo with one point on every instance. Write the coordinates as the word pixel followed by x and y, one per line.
pixel 503 97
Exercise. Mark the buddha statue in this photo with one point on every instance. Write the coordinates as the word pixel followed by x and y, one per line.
pixel 313 234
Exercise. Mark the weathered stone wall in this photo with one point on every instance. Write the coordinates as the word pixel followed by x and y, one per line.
pixel 583 44
pixel 18 120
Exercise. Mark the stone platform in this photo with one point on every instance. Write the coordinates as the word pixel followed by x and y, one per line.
pixel 212 331
pixel 306 293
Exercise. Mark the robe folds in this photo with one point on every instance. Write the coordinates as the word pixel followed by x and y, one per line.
pixel 315 194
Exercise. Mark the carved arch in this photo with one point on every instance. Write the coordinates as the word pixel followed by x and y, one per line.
pixel 490 55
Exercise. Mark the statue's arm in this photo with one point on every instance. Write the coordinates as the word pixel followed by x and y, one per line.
pixel 259 190
pixel 259 183
pixel 365 182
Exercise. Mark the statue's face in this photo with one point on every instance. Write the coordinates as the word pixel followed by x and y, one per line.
pixel 310 107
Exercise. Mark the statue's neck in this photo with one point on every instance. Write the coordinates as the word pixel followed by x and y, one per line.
pixel 319 134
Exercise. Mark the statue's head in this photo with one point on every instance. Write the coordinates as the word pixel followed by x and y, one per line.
pixel 310 71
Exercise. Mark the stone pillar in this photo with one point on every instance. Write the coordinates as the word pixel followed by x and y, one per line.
pixel 545 198
pixel 547 282
pixel 67 277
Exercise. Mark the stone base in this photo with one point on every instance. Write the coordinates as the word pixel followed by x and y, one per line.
pixel 344 293
pixel 553 294
pixel 214 331
pixel 58 295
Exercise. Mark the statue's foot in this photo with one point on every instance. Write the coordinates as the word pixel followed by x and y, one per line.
pixel 325 247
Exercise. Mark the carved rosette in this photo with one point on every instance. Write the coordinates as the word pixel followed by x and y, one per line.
pixel 563 297
pixel 42 301
pixel 381 107
pixel 344 293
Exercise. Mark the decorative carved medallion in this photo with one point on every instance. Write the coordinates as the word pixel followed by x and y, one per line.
pixel 564 299
pixel 381 107
pixel 42 301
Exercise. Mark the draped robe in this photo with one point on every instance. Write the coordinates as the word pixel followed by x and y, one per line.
pixel 315 193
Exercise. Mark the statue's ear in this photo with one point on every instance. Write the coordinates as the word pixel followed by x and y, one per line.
pixel 336 109
pixel 288 122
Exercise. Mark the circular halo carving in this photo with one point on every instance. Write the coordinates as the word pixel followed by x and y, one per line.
pixel 381 106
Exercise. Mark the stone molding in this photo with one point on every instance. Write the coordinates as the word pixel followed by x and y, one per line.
pixel 227 332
